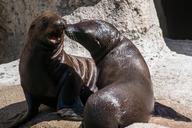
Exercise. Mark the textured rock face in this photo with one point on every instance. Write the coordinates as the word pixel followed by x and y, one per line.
pixel 142 125
pixel 9 74
pixel 16 16
pixel 15 20
pixel 136 19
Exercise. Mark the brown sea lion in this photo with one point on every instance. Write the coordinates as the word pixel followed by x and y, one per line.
pixel 126 94
pixel 49 75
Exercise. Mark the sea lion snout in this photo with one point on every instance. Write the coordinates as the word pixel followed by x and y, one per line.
pixel 56 35
pixel 60 23
pixel 70 30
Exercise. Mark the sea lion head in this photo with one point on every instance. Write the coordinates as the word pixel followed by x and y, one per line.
pixel 48 29
pixel 97 36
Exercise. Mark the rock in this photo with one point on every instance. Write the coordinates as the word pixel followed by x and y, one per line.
pixel 172 78
pixel 170 123
pixel 180 46
pixel 145 125
pixel 136 19
pixel 17 16
pixel 9 74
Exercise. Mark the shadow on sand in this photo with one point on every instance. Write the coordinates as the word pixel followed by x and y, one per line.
pixel 11 111
pixel 47 114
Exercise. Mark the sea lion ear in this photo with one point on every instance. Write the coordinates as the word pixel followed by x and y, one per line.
pixel 64 21
pixel 31 29
pixel 32 26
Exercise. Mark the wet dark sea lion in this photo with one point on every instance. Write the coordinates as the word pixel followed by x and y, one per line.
pixel 49 75
pixel 125 91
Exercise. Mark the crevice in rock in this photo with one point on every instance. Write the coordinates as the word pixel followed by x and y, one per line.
pixel 175 22
pixel 175 18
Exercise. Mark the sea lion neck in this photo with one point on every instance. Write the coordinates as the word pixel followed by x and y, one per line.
pixel 52 50
pixel 104 48
pixel 96 39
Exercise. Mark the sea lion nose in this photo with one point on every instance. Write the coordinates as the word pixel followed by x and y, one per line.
pixel 60 23
pixel 69 28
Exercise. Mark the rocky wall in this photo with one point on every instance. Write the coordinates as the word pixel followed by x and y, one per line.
pixel 136 19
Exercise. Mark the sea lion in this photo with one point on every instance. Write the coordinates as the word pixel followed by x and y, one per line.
pixel 125 91
pixel 49 75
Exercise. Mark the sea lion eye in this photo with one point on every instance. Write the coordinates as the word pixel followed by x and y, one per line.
pixel 44 24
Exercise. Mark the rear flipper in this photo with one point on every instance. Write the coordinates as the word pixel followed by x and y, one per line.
pixel 23 117
pixel 167 112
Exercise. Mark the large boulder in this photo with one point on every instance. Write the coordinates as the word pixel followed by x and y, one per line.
pixel 136 19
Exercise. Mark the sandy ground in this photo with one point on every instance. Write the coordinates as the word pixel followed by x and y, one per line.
pixel 12 102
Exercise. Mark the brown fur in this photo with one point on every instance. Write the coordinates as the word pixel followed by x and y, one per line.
pixel 49 75
pixel 125 91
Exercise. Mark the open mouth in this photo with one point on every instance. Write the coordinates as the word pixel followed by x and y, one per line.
pixel 55 36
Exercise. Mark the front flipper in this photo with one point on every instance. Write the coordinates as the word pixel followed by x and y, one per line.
pixel 73 112
pixel 69 104
pixel 23 117
pixel 85 93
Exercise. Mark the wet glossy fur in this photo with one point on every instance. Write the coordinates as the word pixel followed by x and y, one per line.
pixel 125 91
pixel 49 75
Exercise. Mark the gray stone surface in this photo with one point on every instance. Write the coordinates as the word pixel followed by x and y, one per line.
pixel 180 46
pixel 145 125
pixel 136 19
pixel 171 77
pixel 9 74
pixel 17 15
